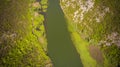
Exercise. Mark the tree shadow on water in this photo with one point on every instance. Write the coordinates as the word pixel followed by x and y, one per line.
pixel 60 46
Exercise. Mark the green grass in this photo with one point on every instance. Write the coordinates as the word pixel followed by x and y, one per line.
pixel 82 48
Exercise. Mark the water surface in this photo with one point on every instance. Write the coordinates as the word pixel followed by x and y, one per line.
pixel 60 47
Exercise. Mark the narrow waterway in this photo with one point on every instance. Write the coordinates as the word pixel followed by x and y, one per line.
pixel 60 47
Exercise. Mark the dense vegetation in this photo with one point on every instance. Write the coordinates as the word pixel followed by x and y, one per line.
pixel 95 23
pixel 94 26
pixel 22 34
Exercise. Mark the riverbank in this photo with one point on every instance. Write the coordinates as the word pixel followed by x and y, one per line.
pixel 21 36
pixel 97 24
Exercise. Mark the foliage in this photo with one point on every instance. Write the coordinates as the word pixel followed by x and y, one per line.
pixel 112 53
pixel 19 39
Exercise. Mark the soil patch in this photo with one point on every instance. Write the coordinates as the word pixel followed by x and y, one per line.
pixel 96 54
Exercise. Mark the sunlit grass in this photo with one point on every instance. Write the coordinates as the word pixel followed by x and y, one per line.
pixel 82 47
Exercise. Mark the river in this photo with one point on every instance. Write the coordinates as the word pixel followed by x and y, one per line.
pixel 60 46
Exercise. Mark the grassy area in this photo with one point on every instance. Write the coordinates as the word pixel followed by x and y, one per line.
pixel 22 38
pixel 82 47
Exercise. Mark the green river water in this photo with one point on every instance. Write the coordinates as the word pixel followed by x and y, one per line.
pixel 60 46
